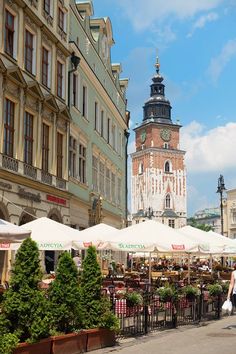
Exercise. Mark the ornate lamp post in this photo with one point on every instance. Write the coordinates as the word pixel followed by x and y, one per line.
pixel 149 213
pixel 220 189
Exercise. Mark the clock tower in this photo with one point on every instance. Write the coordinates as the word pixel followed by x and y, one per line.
pixel 158 188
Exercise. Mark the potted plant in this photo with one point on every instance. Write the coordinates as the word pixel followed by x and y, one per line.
pixel 25 311
pixel 63 295
pixel 214 289
pixel 133 299
pixel 94 306
pixel 190 292
pixel 8 343
pixel 166 294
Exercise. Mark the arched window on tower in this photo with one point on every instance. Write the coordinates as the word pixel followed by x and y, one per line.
pixel 167 166
pixel 140 168
pixel 167 202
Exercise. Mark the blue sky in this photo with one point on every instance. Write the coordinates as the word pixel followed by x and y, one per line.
pixel 196 41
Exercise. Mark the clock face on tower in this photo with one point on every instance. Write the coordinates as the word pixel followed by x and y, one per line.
pixel 143 136
pixel 165 134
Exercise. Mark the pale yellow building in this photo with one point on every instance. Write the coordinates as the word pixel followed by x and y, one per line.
pixel 229 213
pixel 34 119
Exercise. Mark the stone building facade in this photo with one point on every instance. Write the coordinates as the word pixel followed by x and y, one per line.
pixel 158 169
pixel 62 151
pixel 229 213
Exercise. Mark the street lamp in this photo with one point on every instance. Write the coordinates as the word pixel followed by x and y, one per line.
pixel 75 60
pixel 149 213
pixel 220 189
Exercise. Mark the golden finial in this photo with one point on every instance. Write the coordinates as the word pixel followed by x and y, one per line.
pixel 157 64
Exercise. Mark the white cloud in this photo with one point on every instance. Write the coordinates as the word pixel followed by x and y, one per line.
pixel 143 15
pixel 218 63
pixel 201 22
pixel 208 151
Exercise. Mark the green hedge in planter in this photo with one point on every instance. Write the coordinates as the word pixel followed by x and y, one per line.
pixel 25 309
pixel 63 296
pixel 167 293
pixel 8 342
pixel 190 291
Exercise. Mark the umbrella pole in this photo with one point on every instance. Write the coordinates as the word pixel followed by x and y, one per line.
pixel 188 268
pixel 210 265
pixel 150 269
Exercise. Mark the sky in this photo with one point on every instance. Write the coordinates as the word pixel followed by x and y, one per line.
pixel 196 45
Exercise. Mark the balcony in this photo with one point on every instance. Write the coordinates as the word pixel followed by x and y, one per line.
pixel 9 163
pixel 30 171
pixel 23 169
pixel 46 178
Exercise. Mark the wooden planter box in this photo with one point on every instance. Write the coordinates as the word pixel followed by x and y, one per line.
pixel 100 338
pixel 41 347
pixel 72 343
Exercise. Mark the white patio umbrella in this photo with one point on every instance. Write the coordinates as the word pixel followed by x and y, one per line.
pixel 10 233
pixel 152 236
pixel 51 235
pixel 211 243
pixel 96 235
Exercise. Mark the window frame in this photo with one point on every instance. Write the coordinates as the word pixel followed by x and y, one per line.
pixel 28 138
pixel 85 101
pixel 72 157
pixel 45 146
pixel 46 63
pixel 10 31
pixel 82 163
pixel 9 127
pixel 60 156
pixel 29 54
pixel 60 88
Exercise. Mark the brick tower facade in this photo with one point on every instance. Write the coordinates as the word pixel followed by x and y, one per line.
pixel 158 170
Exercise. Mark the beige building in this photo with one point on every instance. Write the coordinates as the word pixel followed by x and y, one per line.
pixel 34 119
pixel 229 213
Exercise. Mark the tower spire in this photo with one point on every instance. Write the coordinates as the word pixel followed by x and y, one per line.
pixel 157 64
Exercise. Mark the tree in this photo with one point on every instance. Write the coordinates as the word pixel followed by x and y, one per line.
pixel 193 222
pixel 64 296
pixel 24 308
pixel 91 300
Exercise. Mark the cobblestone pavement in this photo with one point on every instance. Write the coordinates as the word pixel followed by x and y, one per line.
pixel 212 337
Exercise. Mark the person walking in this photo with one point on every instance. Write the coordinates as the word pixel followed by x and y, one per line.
pixel 232 287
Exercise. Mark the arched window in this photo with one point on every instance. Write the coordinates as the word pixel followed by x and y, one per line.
pixel 167 166
pixel 140 168
pixel 167 202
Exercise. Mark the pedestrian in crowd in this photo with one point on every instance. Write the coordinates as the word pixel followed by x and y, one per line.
pixel 232 287
pixel 77 260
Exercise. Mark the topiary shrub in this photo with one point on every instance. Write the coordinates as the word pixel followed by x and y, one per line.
pixel 91 304
pixel 24 308
pixel 8 343
pixel 214 289
pixel 64 296
pixel 166 294
pixel 190 291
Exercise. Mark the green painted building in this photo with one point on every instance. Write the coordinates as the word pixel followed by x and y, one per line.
pixel 99 126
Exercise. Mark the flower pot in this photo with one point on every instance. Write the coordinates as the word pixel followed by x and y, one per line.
pixel 72 343
pixel 99 338
pixel 41 347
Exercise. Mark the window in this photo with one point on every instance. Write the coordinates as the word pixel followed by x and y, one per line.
pixel 84 107
pixel 9 128
pixel 75 90
pixel 61 20
pixel 171 223
pixel 234 217
pixel 45 67
pixel 72 157
pixel 108 130
pixel 59 155
pixel 45 148
pixel 28 138
pixel 9 33
pixel 113 137
pixel 95 173
pixel 96 116
pixel 108 184
pixel 113 187
pixel 101 179
pixel 47 6
pixel 167 201
pixel 119 190
pixel 166 145
pixel 102 123
pixel 29 50
pixel 167 166
pixel 82 163
pixel 140 168
pixel 59 79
